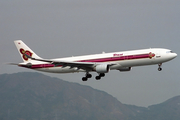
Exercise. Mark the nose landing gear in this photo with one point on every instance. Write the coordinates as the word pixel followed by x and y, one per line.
pixel 160 69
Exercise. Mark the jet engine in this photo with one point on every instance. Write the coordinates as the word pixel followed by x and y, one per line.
pixel 103 68
pixel 124 69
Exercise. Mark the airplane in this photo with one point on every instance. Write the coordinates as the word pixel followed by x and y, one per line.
pixel 99 63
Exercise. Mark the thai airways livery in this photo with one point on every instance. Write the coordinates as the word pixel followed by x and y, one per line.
pixel 100 63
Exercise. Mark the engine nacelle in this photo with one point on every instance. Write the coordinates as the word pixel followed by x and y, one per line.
pixel 104 68
pixel 124 69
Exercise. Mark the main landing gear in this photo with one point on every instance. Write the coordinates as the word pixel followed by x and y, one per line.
pixel 86 77
pixel 89 76
pixel 100 75
pixel 160 69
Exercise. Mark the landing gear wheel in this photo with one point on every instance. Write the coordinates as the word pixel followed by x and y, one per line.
pixel 159 69
pixel 98 77
pixel 102 74
pixel 84 79
pixel 88 75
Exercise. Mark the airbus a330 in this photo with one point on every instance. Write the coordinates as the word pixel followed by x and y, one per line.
pixel 99 63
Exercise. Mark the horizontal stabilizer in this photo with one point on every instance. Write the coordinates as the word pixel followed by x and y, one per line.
pixel 11 63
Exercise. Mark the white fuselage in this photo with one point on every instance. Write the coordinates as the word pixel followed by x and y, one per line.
pixel 119 60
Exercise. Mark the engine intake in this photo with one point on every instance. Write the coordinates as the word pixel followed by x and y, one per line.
pixel 104 68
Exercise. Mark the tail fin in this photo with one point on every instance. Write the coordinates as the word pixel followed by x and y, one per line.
pixel 23 48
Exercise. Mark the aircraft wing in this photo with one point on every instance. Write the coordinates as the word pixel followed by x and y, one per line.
pixel 79 65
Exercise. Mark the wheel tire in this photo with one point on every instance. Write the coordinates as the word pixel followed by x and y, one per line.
pixel 159 69
pixel 84 79
pixel 102 75
pixel 98 77
pixel 88 75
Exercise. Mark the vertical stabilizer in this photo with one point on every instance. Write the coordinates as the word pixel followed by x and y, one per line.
pixel 23 48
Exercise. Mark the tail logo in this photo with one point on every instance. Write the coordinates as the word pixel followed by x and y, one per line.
pixel 23 52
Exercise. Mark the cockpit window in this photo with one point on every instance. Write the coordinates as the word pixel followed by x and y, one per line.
pixel 169 52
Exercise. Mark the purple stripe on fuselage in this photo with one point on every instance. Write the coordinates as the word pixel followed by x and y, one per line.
pixel 110 59
pixel 130 57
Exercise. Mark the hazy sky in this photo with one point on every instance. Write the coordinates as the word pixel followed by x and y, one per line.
pixel 62 28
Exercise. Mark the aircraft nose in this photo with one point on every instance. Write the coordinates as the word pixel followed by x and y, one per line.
pixel 171 56
pixel 175 55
